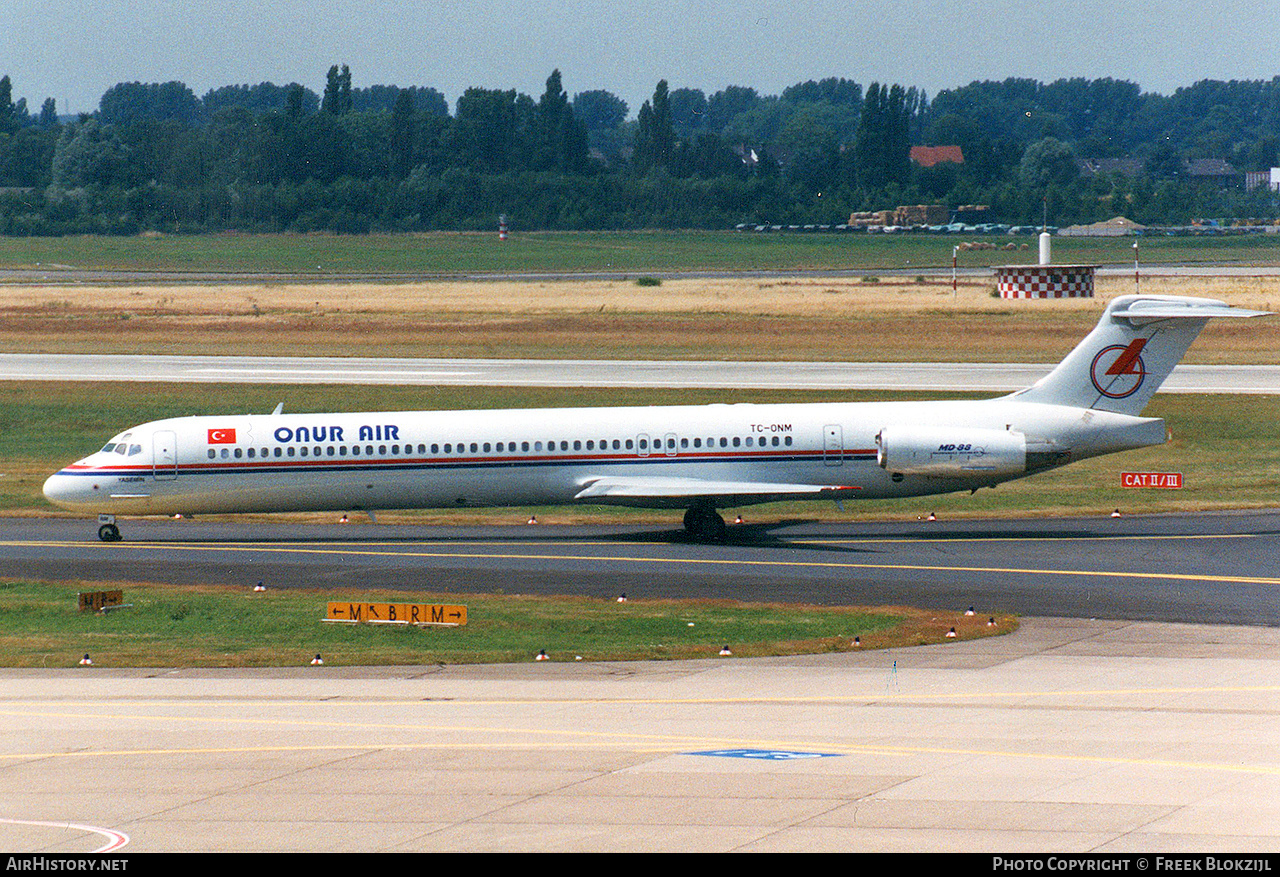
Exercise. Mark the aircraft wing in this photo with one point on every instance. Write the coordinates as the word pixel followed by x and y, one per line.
pixel 623 488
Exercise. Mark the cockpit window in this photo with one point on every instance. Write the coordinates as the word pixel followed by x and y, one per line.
pixel 134 450
pixel 122 448
pixel 108 447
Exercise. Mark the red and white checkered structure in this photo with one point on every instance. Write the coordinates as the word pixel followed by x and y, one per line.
pixel 1045 281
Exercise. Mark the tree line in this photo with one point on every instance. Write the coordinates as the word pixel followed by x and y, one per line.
pixel 268 157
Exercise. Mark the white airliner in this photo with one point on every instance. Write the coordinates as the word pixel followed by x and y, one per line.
pixel 699 458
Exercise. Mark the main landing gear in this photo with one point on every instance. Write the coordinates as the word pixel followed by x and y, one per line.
pixel 107 529
pixel 704 524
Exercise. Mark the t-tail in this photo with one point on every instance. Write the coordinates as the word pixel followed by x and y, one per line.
pixel 1120 364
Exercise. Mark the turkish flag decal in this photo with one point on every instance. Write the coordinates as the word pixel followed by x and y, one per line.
pixel 222 436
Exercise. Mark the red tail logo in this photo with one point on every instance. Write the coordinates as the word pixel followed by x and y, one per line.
pixel 1125 362
pixel 1118 372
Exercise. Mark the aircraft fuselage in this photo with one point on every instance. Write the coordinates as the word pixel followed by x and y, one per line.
pixel 453 459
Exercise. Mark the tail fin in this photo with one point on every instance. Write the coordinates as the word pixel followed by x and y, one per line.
pixel 1124 360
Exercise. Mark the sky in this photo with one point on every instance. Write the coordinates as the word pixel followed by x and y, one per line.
pixel 74 50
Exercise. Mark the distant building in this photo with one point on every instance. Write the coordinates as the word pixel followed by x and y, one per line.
pixel 1262 179
pixel 972 213
pixel 905 216
pixel 1045 281
pixel 1212 171
pixel 928 156
pixel 870 218
pixel 920 214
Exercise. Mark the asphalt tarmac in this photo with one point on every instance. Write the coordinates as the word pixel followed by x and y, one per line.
pixel 1199 568
pixel 1069 736
pixel 935 376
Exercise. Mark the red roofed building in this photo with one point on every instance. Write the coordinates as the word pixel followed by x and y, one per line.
pixel 928 156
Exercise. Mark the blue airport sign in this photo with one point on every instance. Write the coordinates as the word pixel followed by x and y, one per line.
pixel 765 754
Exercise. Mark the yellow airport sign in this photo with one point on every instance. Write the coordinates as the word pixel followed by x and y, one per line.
pixel 396 613
pixel 97 601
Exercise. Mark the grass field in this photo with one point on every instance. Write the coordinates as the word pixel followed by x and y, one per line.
pixel 821 318
pixel 324 255
pixel 40 626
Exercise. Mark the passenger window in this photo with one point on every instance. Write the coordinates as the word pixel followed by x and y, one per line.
pixel 524 446
pixel 787 441
pixel 225 455
pixel 290 450
pixel 736 441
pixel 697 443
pixel 239 453
pixel 212 454
pixel 342 450
pixel 302 451
pixel 279 452
pixel 628 444
pixel 577 445
pixel 355 450
pixel 486 447
pixel 328 452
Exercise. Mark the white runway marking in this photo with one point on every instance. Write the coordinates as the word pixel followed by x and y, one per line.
pixel 115 839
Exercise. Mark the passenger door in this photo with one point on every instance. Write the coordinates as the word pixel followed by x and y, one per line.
pixel 832 445
pixel 164 447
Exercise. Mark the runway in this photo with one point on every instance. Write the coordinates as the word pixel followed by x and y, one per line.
pixel 1204 568
pixel 938 376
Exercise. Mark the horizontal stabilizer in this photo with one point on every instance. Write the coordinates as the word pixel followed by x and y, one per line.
pixel 1142 310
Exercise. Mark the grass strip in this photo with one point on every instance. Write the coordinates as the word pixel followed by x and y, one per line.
pixel 167 626
pixel 329 255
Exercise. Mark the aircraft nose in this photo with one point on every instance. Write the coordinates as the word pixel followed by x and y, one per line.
pixel 67 491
